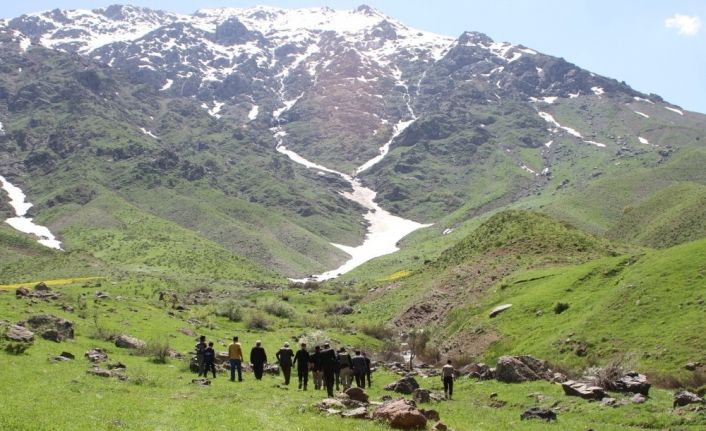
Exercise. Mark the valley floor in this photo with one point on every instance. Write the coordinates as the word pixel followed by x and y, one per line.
pixel 39 395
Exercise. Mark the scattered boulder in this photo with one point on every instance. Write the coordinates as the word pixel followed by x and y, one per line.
pixel 19 334
pixel 406 385
pixel 357 413
pixel 271 369
pixel 499 309
pixel 50 327
pixel 421 396
pixel 538 413
pixel 401 414
pixel 102 295
pixel 583 390
pixel 100 372
pixel 67 355
pixel 517 369
pixel 631 382
pixel 357 394
pixel 479 371
pixel 684 398
pixel 430 414
pixel 21 292
pixel 96 355
pixel 202 381
pixel 41 286
pixel 55 359
pixel 638 399
pixel 129 342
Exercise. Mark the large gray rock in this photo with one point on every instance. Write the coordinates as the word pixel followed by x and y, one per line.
pixel 538 413
pixel 129 342
pixel 517 369
pixel 405 385
pixel 631 382
pixel 357 413
pixel 50 327
pixel 401 414
pixel 421 396
pixel 19 334
pixel 583 390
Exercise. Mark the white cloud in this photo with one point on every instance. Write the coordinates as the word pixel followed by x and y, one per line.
pixel 686 25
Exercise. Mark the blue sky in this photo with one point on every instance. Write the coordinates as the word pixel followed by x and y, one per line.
pixel 655 46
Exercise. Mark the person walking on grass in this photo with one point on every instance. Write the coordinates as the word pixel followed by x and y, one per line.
pixel 447 375
pixel 200 349
pixel 258 359
pixel 368 369
pixel 284 357
pixel 359 369
pixel 235 355
pixel 209 359
pixel 346 368
pixel 315 365
pixel 328 366
pixel 301 361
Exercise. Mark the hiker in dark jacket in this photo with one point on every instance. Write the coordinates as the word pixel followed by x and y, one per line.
pixel 209 360
pixel 284 356
pixel 200 348
pixel 359 369
pixel 301 361
pixel 337 372
pixel 369 369
pixel 328 365
pixel 315 364
pixel 258 359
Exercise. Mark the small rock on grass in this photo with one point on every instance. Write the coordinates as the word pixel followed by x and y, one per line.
pixel 538 413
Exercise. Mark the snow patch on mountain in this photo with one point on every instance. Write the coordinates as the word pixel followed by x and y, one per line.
pixel 642 114
pixel 148 133
pixel 254 111
pixel 167 85
pixel 397 130
pixel 26 224
pixel 678 111
pixel 643 140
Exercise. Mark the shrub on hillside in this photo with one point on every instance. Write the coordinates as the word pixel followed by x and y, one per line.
pixel 158 350
pixel 377 330
pixel 315 338
pixel 230 308
pixel 257 321
pixel 560 307
pixel 278 308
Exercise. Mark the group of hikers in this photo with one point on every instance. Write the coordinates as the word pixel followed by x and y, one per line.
pixel 329 367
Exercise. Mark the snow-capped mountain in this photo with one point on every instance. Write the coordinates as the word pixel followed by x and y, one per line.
pixel 360 72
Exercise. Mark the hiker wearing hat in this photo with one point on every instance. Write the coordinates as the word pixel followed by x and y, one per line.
pixel 258 358
pixel 301 360
pixel 284 356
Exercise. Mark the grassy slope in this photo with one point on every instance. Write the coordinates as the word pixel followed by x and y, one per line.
pixel 159 396
pixel 534 263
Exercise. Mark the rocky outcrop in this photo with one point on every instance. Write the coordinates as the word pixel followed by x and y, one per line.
pixel 50 327
pixel 19 334
pixel 517 369
pixel 401 414
pixel 631 382
pixel 405 385
pixel 129 342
